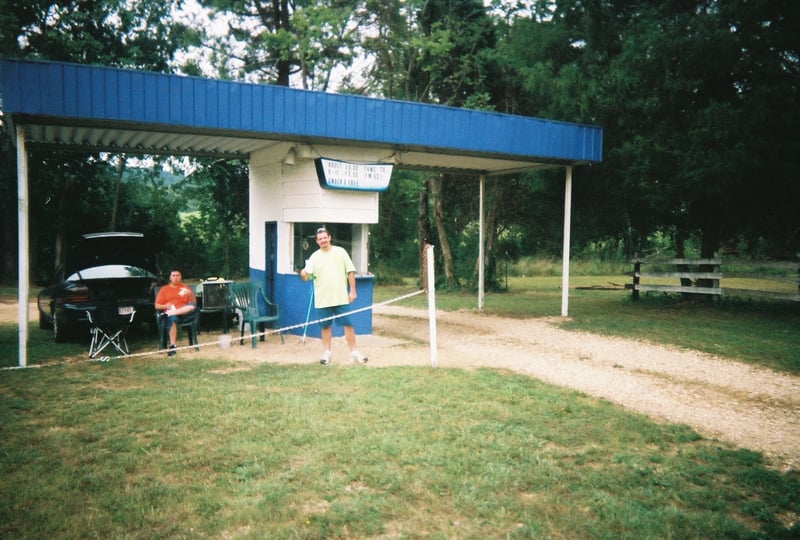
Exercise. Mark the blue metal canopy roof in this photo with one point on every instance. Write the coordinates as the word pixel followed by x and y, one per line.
pixel 109 109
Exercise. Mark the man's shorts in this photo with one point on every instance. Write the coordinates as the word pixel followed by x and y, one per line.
pixel 330 311
pixel 178 319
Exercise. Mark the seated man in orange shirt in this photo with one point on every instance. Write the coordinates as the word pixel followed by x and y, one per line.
pixel 178 302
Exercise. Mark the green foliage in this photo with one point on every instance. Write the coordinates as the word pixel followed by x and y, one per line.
pixel 433 51
pixel 72 195
pixel 674 86
pixel 275 41
pixel 214 240
pixel 140 34
pixel 394 245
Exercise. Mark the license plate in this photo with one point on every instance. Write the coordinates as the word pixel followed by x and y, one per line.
pixel 125 310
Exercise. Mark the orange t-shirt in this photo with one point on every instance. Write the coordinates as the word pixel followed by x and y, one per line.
pixel 177 296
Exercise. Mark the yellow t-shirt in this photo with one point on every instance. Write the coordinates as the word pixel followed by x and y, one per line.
pixel 330 269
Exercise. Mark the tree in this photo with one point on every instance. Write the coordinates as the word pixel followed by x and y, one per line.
pixel 215 236
pixel 681 91
pixel 436 51
pixel 394 246
pixel 435 191
pixel 140 34
pixel 275 40
pixel 768 81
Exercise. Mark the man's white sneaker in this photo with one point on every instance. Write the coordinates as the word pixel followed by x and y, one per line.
pixel 326 358
pixel 356 356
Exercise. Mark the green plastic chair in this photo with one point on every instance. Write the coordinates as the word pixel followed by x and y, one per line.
pixel 190 325
pixel 254 309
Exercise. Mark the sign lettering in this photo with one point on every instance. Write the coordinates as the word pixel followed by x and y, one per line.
pixel 333 174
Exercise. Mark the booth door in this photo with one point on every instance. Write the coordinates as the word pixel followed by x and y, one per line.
pixel 271 264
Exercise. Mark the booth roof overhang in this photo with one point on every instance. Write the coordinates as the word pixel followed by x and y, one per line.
pixel 101 109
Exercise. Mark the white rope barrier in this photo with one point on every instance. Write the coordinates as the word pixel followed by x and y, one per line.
pixel 216 343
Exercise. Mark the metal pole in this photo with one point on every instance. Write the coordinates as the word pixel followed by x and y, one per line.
pixel 480 244
pixel 23 239
pixel 432 306
pixel 567 219
pixel 308 313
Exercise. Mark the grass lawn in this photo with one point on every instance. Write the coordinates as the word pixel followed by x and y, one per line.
pixel 188 448
pixel 206 449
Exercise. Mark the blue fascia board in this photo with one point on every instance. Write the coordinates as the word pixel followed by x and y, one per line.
pixel 113 95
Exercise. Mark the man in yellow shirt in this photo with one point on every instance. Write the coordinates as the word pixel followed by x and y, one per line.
pixel 334 276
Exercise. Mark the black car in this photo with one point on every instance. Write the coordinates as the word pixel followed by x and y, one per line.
pixel 103 267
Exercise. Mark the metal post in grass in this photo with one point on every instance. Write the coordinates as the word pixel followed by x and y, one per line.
pixel 481 232
pixel 567 219
pixel 22 226
pixel 431 305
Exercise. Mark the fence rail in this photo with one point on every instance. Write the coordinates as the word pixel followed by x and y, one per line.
pixel 704 277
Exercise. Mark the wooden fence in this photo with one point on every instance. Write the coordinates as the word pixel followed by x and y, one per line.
pixel 704 277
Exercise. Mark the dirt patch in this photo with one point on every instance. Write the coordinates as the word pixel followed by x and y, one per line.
pixel 748 406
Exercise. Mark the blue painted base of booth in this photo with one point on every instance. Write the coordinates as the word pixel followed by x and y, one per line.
pixel 292 294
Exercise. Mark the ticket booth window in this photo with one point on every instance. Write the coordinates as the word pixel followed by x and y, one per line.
pixel 305 239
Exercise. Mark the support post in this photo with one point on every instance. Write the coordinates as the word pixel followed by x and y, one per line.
pixel 565 253
pixel 23 245
pixel 481 226
pixel 432 306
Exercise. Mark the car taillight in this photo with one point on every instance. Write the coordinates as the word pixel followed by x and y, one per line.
pixel 76 296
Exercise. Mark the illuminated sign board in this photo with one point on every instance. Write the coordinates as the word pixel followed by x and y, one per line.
pixel 335 174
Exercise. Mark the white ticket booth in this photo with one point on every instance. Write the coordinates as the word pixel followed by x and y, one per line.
pixel 294 190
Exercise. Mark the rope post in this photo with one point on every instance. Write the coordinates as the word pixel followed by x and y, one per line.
pixel 431 305
pixel 567 226
pixel 23 247
pixel 481 233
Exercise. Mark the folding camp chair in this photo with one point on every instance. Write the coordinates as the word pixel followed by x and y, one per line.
pixel 253 308
pixel 108 325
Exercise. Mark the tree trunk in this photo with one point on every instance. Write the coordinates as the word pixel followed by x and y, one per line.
pixel 631 247
pixel 423 236
pixel 435 187
pixel 58 249
pixel 490 225
pixel 680 253
pixel 226 243
pixel 708 250
pixel 112 226
pixel 282 22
